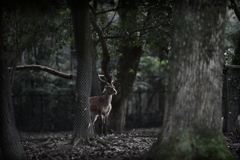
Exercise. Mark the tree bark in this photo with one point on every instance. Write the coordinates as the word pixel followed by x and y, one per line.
pixel 95 89
pixel 192 123
pixel 106 55
pixel 11 147
pixel 127 69
pixel 83 129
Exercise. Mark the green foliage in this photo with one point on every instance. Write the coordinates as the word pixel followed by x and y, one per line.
pixel 143 23
pixel 236 56
pixel 152 70
pixel 42 40
pixel 232 38
pixel 139 23
pixel 131 71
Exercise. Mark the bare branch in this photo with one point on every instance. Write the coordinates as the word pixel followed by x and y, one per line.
pixel 39 68
pixel 110 10
pixel 110 22
pixel 103 12
pixel 112 37
pixel 236 8
pixel 142 30
pixel 106 55
pixel 92 9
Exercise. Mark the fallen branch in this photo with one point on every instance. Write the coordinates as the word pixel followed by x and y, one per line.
pixel 40 144
pixel 38 68
pixel 49 144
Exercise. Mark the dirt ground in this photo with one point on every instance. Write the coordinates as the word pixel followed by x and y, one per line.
pixel 233 142
pixel 130 145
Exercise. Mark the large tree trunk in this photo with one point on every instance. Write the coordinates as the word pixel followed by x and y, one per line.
pixel 80 14
pixel 192 123
pixel 127 69
pixel 11 147
pixel 127 66
pixel 96 89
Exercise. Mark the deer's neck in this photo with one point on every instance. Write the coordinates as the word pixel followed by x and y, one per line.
pixel 108 99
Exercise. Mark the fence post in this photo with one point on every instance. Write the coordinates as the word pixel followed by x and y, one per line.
pixel 140 106
pixel 41 112
pixel 225 100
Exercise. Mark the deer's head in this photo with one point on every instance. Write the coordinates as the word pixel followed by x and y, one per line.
pixel 109 88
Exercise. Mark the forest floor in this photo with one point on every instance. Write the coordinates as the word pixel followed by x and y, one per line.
pixel 130 145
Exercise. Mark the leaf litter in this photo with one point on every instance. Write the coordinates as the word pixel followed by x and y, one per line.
pixel 131 145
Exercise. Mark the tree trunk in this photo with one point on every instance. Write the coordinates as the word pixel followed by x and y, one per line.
pixel 105 52
pixel 83 129
pixel 127 70
pixel 127 66
pixel 95 89
pixel 11 147
pixel 192 122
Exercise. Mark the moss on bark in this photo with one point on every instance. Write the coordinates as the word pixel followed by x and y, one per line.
pixel 192 124
pixel 190 145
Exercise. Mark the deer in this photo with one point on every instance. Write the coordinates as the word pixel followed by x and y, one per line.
pixel 101 105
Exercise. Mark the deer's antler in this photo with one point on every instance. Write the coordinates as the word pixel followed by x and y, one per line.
pixel 113 78
pixel 102 79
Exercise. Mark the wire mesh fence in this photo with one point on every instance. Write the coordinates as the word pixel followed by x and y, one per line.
pixel 56 112
pixel 145 107
pixel 82 88
pixel 44 112
pixel 231 97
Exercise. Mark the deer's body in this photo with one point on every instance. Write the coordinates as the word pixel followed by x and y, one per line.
pixel 101 105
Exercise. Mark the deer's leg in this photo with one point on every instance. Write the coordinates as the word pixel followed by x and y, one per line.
pixel 94 118
pixel 102 123
pixel 106 125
